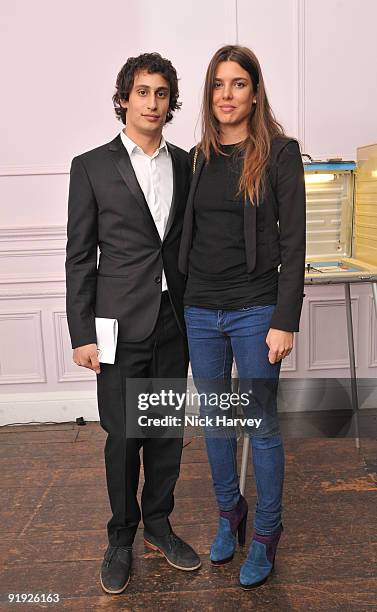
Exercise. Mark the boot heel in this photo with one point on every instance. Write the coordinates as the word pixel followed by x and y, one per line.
pixel 241 531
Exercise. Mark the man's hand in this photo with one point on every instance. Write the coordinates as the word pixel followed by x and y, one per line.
pixel 87 357
pixel 280 344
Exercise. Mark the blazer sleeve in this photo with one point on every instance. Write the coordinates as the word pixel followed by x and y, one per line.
pixel 290 195
pixel 81 257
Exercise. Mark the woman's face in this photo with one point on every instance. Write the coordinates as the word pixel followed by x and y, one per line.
pixel 233 95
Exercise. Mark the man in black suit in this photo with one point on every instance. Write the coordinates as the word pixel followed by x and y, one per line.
pixel 127 198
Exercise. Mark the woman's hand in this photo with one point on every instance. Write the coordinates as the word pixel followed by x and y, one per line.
pixel 280 344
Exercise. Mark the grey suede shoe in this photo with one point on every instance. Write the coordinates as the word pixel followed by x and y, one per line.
pixel 176 552
pixel 116 569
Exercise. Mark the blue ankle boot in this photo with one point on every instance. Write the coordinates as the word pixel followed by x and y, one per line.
pixel 231 523
pixel 260 560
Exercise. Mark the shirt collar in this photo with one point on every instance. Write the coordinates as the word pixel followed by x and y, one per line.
pixel 131 146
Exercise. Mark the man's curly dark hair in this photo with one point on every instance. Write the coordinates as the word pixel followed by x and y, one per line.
pixel 152 63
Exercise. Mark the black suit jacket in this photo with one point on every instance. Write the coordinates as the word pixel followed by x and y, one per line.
pixel 107 209
pixel 274 230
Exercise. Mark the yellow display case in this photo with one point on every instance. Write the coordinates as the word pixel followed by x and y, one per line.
pixel 341 200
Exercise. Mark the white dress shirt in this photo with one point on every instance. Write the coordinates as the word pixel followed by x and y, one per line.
pixel 155 177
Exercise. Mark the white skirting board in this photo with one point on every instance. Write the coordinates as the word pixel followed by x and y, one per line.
pixel 295 395
pixel 48 407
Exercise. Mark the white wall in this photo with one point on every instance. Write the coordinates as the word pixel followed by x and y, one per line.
pixel 57 82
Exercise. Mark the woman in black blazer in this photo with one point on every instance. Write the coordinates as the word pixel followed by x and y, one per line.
pixel 245 216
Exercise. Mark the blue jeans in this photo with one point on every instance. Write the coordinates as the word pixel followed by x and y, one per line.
pixel 215 337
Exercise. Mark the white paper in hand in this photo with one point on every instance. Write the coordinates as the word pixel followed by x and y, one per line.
pixel 107 337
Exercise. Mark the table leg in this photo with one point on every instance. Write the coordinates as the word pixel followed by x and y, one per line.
pixel 246 444
pixel 374 289
pixel 244 462
pixel 351 351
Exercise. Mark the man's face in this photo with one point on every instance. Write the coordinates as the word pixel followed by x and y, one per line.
pixel 148 103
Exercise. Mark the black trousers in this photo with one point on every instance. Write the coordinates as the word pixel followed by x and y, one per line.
pixel 163 354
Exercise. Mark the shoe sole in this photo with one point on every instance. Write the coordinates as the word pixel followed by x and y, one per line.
pixel 115 592
pixel 156 548
pixel 249 587
pixel 222 561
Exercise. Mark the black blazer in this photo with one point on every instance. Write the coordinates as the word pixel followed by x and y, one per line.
pixel 107 209
pixel 274 230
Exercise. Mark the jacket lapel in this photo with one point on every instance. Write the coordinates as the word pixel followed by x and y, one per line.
pixel 194 183
pixel 125 169
pixel 188 222
pixel 195 178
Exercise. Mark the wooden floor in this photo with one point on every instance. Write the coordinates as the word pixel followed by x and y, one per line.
pixel 54 509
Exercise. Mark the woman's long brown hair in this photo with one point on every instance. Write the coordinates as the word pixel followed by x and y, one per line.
pixel 262 125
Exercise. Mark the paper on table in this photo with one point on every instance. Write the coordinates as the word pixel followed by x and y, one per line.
pixel 107 336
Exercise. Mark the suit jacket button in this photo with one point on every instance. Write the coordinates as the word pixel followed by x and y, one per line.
pixel 157 279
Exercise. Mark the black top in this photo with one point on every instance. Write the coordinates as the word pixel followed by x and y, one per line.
pixel 217 275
